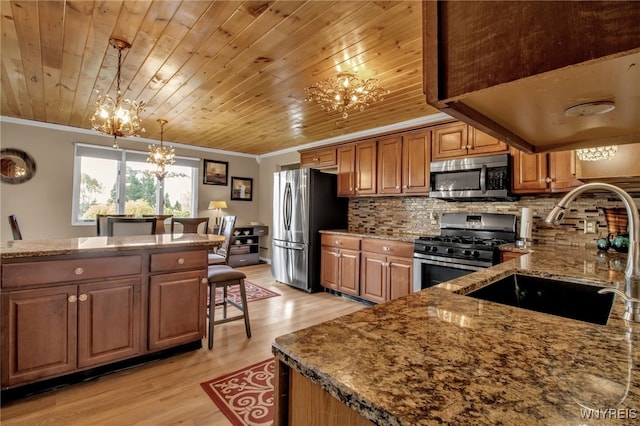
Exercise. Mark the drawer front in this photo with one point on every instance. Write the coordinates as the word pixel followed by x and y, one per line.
pixel 394 248
pixel 53 271
pixel 178 261
pixel 244 259
pixel 341 241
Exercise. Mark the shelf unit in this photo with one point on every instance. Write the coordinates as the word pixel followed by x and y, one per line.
pixel 245 245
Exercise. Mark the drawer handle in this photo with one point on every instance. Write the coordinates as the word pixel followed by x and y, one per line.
pixel 72 298
pixel 385 249
pixel 204 281
pixel 83 297
pixel 338 242
pixel 181 261
pixel 78 271
pixel 242 260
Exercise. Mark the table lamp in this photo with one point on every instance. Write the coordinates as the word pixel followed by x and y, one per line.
pixel 218 206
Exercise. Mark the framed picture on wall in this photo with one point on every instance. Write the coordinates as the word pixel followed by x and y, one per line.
pixel 215 172
pixel 241 188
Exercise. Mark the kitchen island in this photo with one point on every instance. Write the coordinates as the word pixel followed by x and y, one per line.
pixel 440 357
pixel 76 304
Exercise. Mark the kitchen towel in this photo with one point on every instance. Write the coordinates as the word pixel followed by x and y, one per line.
pixel 526 223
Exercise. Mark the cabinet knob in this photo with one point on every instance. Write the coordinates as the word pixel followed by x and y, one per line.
pixel 72 298
pixel 397 187
pixel 548 180
pixel 83 297
pixel 385 248
pixel 78 271
pixel 181 261
pixel 204 281
pixel 338 242
pixel 405 186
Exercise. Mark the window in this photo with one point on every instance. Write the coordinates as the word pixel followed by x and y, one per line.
pixel 106 181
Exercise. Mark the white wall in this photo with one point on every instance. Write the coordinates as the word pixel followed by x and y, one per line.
pixel 43 204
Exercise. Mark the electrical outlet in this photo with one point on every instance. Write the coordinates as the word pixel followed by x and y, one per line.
pixel 590 226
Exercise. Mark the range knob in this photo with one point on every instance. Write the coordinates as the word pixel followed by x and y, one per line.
pixel 476 253
pixel 449 250
pixel 434 249
pixel 466 252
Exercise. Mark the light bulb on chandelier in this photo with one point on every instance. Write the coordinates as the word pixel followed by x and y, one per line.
pixel 161 156
pixel 118 117
pixel 345 92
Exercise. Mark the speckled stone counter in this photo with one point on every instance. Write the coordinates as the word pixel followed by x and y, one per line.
pixel 439 357
pixel 63 246
pixel 390 237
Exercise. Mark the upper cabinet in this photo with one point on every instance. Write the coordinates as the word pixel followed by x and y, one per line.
pixel 540 173
pixel 511 69
pixel 403 163
pixel 322 158
pixel 357 169
pixel 458 140
pixel 623 167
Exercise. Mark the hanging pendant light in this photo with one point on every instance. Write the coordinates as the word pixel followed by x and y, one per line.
pixel 161 156
pixel 118 117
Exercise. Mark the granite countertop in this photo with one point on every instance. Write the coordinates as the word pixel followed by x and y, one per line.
pixel 64 246
pixel 438 356
pixel 391 237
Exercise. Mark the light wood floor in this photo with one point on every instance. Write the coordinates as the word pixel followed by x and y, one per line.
pixel 168 392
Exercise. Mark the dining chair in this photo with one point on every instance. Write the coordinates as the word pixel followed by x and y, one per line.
pixel 15 229
pixel 160 221
pixel 190 225
pixel 101 222
pixel 123 226
pixel 221 256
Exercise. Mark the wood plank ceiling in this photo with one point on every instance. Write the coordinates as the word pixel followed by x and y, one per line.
pixel 226 75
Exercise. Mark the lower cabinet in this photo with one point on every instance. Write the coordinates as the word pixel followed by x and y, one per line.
pixel 508 255
pixel 340 264
pixel 52 331
pixel 387 270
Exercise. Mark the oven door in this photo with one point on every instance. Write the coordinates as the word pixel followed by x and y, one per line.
pixel 430 270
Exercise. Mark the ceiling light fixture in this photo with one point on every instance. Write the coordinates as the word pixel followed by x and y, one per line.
pixel 345 92
pixel 161 156
pixel 118 117
pixel 597 153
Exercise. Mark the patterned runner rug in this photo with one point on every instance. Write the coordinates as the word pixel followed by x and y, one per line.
pixel 245 396
pixel 254 292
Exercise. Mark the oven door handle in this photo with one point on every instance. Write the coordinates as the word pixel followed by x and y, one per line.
pixel 483 179
pixel 447 264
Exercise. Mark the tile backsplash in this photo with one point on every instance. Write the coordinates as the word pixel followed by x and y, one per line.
pixel 421 215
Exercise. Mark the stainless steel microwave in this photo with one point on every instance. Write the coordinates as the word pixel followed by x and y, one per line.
pixel 472 179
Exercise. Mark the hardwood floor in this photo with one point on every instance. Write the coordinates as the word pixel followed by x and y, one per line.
pixel 168 392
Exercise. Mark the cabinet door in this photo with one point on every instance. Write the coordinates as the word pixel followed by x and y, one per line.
pixel 562 170
pixel 346 170
pixel 374 277
pixel 38 333
pixel 321 158
pixel 400 274
pixel 108 321
pixel 366 168
pixel 177 308
pixel 484 144
pixel 530 172
pixel 330 267
pixel 349 272
pixel 450 141
pixel 390 165
pixel 508 255
pixel 416 156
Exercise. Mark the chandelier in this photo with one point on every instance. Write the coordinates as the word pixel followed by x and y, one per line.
pixel 345 92
pixel 118 117
pixel 161 156
pixel 597 153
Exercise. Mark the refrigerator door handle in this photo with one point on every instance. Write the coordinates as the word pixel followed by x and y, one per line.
pixel 291 246
pixel 288 207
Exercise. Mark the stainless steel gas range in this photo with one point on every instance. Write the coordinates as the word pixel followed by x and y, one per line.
pixel 467 243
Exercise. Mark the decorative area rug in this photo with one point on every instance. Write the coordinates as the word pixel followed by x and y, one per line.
pixel 254 292
pixel 245 396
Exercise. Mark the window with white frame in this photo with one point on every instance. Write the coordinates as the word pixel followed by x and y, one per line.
pixel 110 181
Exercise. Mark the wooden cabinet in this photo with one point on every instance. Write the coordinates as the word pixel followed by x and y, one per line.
pixel 387 270
pixel 57 330
pixel 509 255
pixel 539 173
pixel 340 263
pixel 357 169
pixel 481 67
pixel 623 167
pixel 244 248
pixel 319 158
pixel 458 140
pixel 177 298
pixel 403 163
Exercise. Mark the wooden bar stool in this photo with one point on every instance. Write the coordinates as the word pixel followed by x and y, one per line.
pixel 222 276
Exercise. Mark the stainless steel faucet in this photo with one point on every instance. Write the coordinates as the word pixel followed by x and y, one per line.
pixel 631 293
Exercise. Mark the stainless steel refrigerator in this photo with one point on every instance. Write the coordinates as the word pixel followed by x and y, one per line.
pixel 304 202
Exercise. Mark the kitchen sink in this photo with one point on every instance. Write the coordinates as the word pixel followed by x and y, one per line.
pixel 562 298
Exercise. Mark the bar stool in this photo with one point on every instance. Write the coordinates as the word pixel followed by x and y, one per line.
pixel 222 276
